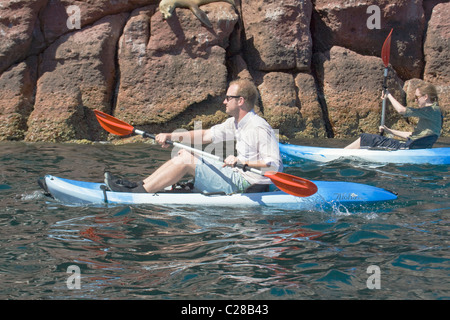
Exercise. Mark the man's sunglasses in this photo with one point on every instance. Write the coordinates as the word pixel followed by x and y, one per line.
pixel 228 98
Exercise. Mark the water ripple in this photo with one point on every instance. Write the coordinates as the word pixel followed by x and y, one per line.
pixel 190 252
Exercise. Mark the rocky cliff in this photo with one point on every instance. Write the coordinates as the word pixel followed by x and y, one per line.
pixel 316 63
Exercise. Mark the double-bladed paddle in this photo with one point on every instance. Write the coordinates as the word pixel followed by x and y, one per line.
pixel 385 53
pixel 290 184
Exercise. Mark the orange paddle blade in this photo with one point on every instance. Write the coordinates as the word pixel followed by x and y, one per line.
pixel 113 125
pixel 293 185
pixel 386 50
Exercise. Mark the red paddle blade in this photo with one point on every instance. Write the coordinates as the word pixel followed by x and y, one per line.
pixel 113 125
pixel 293 185
pixel 386 50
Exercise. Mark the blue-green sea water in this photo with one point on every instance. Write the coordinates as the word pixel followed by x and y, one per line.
pixel 395 250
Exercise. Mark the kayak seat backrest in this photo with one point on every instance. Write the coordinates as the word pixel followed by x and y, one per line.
pixel 423 143
pixel 257 188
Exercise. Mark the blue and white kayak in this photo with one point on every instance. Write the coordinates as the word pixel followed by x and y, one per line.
pixel 292 153
pixel 330 193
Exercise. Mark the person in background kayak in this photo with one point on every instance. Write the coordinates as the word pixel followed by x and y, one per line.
pixel 256 146
pixel 424 135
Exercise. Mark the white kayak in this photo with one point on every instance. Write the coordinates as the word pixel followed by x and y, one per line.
pixel 330 193
pixel 292 153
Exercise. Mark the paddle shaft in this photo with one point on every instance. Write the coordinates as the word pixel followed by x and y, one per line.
pixel 385 54
pixel 383 109
pixel 197 151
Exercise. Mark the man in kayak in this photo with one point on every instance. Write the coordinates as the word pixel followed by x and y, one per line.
pixel 424 135
pixel 256 146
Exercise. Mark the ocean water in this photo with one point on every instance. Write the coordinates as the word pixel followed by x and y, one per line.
pixel 395 250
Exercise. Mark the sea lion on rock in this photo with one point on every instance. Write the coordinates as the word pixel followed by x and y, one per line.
pixel 167 6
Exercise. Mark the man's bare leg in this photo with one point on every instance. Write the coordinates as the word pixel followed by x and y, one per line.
pixel 354 145
pixel 171 172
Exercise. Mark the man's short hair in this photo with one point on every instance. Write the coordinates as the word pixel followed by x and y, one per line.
pixel 248 91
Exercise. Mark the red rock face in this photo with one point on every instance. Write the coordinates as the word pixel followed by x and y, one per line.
pixel 18 21
pixel 352 86
pixel 167 66
pixel 437 56
pixel 76 75
pixel 17 87
pixel 345 23
pixel 437 43
pixel 278 34
pixel 316 63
